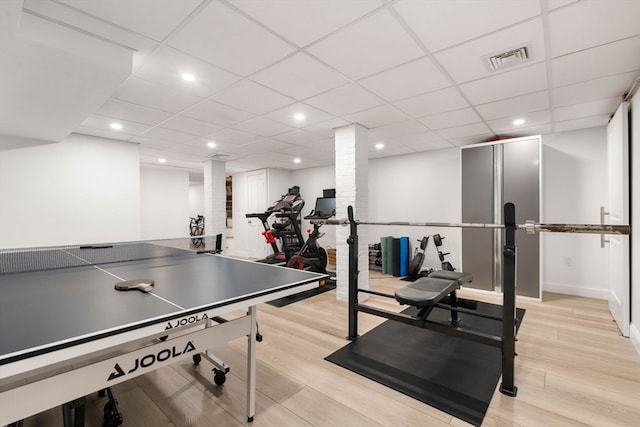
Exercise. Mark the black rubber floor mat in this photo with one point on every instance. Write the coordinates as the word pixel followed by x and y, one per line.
pixel 454 375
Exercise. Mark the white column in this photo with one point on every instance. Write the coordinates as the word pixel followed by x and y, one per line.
pixel 215 198
pixel 352 189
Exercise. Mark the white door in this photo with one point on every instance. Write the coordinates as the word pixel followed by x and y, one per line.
pixel 618 170
pixel 256 202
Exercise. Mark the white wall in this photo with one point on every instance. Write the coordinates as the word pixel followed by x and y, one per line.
pixel 164 203
pixel 574 188
pixel 278 183
pixel 196 200
pixel 81 190
pixel 421 187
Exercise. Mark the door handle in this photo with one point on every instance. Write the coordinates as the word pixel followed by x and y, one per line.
pixel 603 213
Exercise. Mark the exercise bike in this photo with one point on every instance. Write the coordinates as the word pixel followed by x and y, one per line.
pixel 311 255
pixel 286 228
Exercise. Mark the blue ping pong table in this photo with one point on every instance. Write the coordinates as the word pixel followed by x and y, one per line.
pixel 62 321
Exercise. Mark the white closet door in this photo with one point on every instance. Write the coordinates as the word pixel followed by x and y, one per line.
pixel 618 209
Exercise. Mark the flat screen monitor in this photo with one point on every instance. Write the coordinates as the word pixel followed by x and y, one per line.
pixel 325 207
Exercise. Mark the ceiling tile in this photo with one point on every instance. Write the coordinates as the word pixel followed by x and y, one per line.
pixel 286 115
pixel 167 65
pixel 452 118
pixel 252 97
pixel 233 136
pixel 168 135
pixel 507 85
pixel 531 119
pixel 102 133
pixel 432 145
pixel 415 139
pixel 585 122
pixel 468 61
pixel 377 116
pixel 153 95
pixel 404 81
pixel 587 109
pixel 432 103
pixel 613 58
pixel 554 4
pixel 327 128
pixel 468 140
pixel 192 150
pixel 190 126
pixel 132 112
pixel 232 149
pixel 218 114
pixel 266 145
pixel 600 22
pixel 464 131
pixel 298 137
pixel 96 121
pixel 303 22
pixel 591 90
pixel 444 23
pixel 262 126
pixel 197 150
pixel 409 127
pixel 325 148
pixel 398 150
pixel 514 106
pixel 75 18
pixel 373 44
pixel 529 131
pixel 300 76
pixel 209 34
pixel 135 16
pixel 154 143
pixel 344 100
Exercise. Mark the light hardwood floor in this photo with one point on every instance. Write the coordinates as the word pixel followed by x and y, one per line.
pixel 573 369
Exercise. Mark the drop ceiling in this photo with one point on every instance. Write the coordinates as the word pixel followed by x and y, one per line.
pixel 415 72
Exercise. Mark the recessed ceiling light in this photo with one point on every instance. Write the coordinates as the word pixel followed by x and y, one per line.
pixel 297 160
pixel 162 160
pixel 115 126
pixel 188 77
pixel 298 117
pixel 211 144
pixel 379 146
pixel 518 122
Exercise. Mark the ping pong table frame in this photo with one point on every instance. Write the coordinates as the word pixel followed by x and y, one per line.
pixel 23 393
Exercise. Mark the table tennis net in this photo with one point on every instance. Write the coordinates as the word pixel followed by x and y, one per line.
pixel 50 258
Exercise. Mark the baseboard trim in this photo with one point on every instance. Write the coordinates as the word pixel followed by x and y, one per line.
pixel 561 288
pixel 634 336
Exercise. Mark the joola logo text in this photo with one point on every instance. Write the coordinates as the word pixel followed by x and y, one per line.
pixel 186 321
pixel 150 359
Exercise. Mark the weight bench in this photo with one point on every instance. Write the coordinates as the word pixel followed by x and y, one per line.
pixel 438 289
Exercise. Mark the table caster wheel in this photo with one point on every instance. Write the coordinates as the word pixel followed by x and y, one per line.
pixel 197 358
pixel 219 377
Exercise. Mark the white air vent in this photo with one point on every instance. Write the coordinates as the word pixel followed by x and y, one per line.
pixel 218 156
pixel 508 59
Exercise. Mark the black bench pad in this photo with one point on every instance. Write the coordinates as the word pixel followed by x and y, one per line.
pixel 458 276
pixel 426 291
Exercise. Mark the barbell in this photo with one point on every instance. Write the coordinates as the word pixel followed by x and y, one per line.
pixel 530 227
